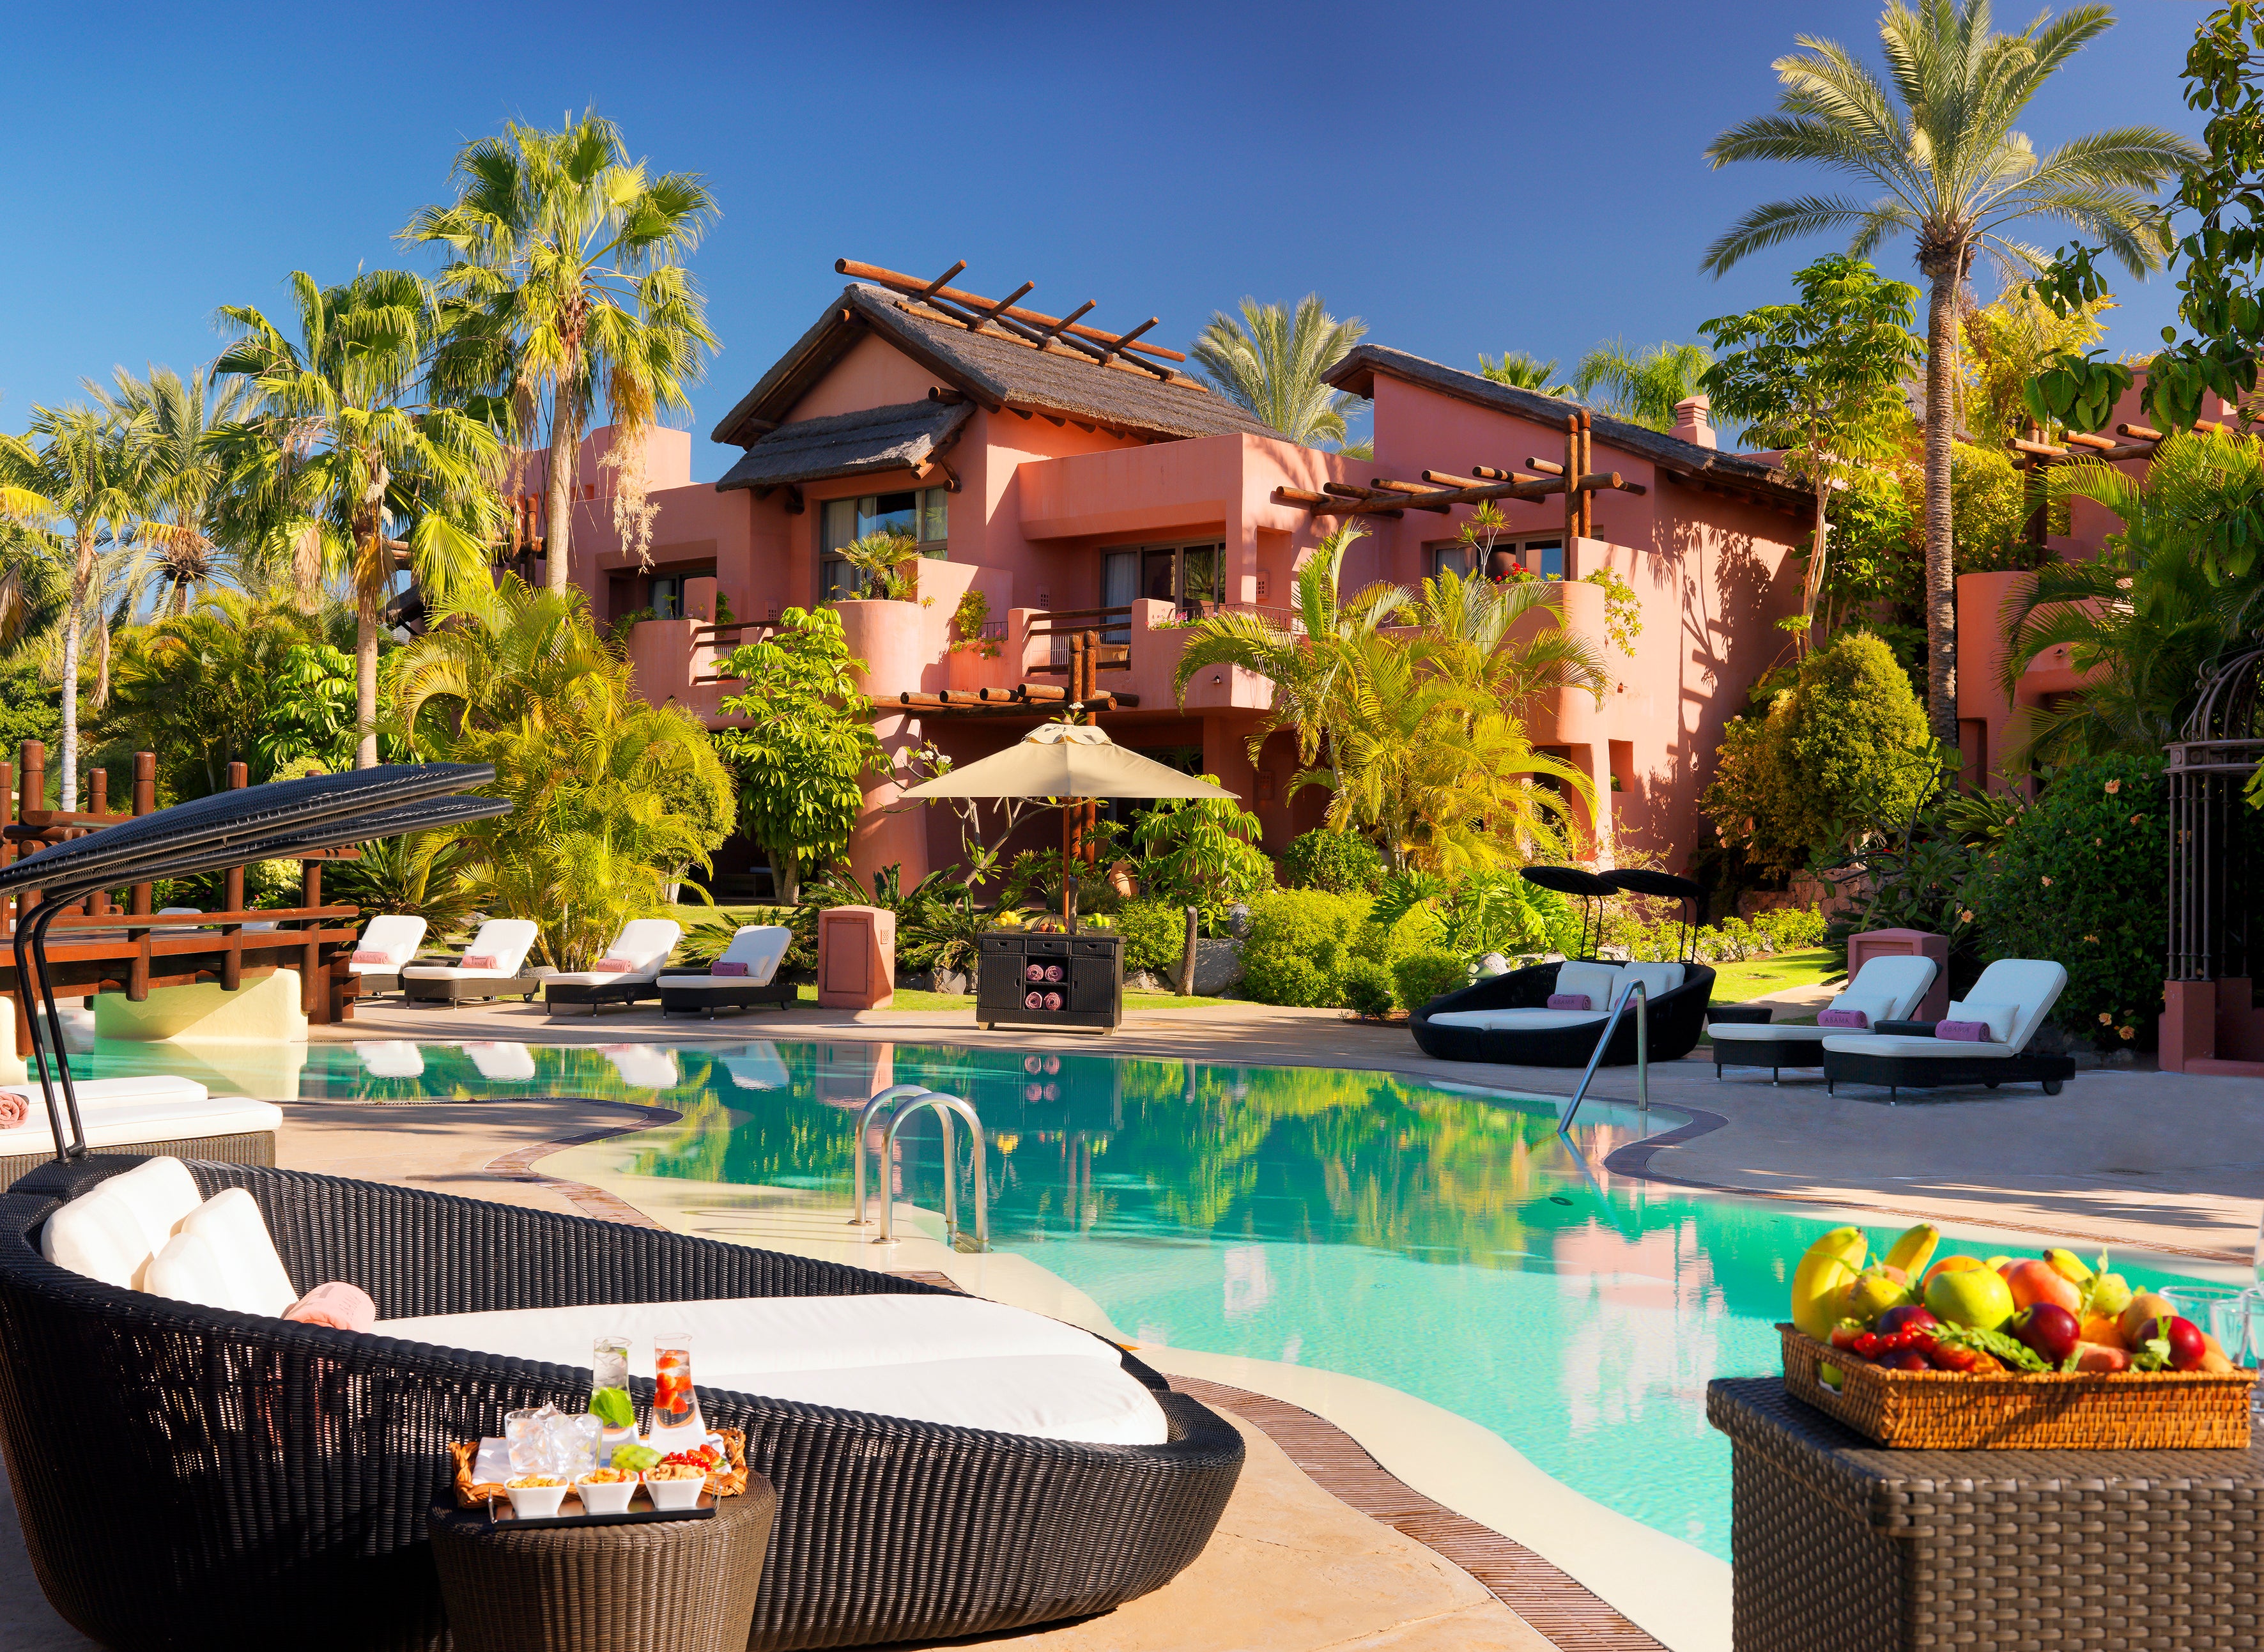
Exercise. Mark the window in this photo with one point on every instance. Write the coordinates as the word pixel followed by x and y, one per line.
pixel 922 514
pixel 1545 557
pixel 1177 574
pixel 664 594
pixel 1452 557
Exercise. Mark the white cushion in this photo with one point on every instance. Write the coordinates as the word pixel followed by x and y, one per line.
pixel 1901 981
pixel 1046 1397
pixel 391 1058
pixel 98 1235
pixel 505 939
pixel 1761 1032
pixel 758 1067
pixel 396 934
pixel 189 1270
pixel 761 947
pixel 2033 984
pixel 1998 1018
pixel 718 984
pixel 99 1093
pixel 1657 979
pixel 504 1063
pixel 231 1223
pixel 1518 1020
pixel 160 1193
pixel 1874 1007
pixel 646 943
pixel 1599 981
pixel 1924 1049
pixel 131 1122
pixel 645 1065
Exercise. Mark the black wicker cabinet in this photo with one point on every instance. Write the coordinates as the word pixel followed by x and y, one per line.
pixel 191 1478
pixel 1090 985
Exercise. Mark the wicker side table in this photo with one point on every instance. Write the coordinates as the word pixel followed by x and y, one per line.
pixel 660 1586
pixel 1841 1547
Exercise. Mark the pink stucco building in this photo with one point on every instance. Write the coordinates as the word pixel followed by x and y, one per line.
pixel 1052 483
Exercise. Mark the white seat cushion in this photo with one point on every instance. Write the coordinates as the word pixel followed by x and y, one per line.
pixel 1599 981
pixel 2033 984
pixel 129 1123
pixel 189 1270
pixel 396 934
pixel 1873 1007
pixel 1901 981
pixel 761 947
pixel 98 1236
pixel 1518 1020
pixel 1761 1032
pixel 1999 1019
pixel 1924 1049
pixel 160 1194
pixel 1657 979
pixel 95 1095
pixel 231 1223
pixel 505 939
pixel 1045 1397
pixel 711 983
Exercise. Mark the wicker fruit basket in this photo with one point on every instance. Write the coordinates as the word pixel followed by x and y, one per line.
pixel 2042 1411
pixel 729 1481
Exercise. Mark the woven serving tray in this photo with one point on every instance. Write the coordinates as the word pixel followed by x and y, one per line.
pixel 2040 1411
pixel 728 1481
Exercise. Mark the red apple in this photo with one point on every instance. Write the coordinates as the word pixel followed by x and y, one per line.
pixel 1909 1316
pixel 2049 1330
pixel 2187 1347
pixel 1905 1359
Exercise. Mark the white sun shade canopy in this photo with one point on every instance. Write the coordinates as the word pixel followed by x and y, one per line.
pixel 1063 760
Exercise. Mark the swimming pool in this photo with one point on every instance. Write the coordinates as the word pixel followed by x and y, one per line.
pixel 1444 1242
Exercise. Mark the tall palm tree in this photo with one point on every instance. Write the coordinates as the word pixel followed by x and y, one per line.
pixel 1271 362
pixel 1523 372
pixel 342 455
pixel 80 481
pixel 1937 138
pixel 566 282
pixel 1643 385
pixel 177 420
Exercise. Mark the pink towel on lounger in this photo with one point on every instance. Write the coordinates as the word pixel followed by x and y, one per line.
pixel 723 967
pixel 615 966
pixel 341 1307
pixel 12 1109
pixel 481 961
pixel 365 955
pixel 1569 1000
pixel 1843 1018
pixel 1963 1031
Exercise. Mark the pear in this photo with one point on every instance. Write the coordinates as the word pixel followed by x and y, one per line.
pixel 1873 1292
pixel 2110 1295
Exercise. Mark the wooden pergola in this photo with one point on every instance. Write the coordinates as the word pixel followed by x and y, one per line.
pixel 1033 327
pixel 1440 491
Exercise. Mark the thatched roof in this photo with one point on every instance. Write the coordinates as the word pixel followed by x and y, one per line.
pixel 875 438
pixel 992 369
pixel 1685 461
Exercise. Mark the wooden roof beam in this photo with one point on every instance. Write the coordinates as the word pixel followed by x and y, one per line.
pixel 1049 334
pixel 913 286
pixel 984 318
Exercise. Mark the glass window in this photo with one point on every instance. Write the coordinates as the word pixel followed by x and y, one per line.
pixel 1120 577
pixel 1454 558
pixel 667 597
pixel 1545 557
pixel 935 519
pixel 922 515
pixel 1201 576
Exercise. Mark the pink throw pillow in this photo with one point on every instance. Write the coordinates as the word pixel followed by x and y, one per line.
pixel 343 1308
pixel 364 955
pixel 1569 1000
pixel 615 966
pixel 1965 1032
pixel 482 961
pixel 1843 1018
pixel 722 966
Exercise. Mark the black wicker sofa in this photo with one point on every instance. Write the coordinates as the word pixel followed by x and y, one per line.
pixel 188 1477
pixel 1676 1017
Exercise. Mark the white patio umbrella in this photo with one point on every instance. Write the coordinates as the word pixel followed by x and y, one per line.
pixel 1071 762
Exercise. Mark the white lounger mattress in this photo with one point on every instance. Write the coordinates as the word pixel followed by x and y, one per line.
pixel 103 1093
pixel 122 1124
pixel 952 1360
pixel 1762 1032
pixel 1925 1049
pixel 1518 1020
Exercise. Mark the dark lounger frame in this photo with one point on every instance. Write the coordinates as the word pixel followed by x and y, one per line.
pixel 594 995
pixel 450 989
pixel 694 1001
pixel 265 1483
pixel 1676 1020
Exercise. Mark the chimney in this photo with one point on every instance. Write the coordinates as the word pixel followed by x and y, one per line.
pixel 1690 420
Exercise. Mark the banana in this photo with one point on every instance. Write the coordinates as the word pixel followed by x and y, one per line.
pixel 2067 1265
pixel 1820 1284
pixel 1915 1249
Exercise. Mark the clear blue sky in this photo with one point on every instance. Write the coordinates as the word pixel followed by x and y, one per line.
pixel 1463 177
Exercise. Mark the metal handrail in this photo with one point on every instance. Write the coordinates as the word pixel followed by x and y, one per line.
pixel 945 1106
pixel 1641 994
pixel 893 1093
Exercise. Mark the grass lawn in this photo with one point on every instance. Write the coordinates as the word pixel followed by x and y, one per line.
pixel 1736 982
pixel 908 999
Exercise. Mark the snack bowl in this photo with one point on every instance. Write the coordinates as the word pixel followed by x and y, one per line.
pixel 602 1492
pixel 530 1501
pixel 671 1493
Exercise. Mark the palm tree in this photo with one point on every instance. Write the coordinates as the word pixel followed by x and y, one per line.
pixel 566 280
pixel 342 455
pixel 1644 384
pixel 2144 620
pixel 79 481
pixel 1270 363
pixel 176 419
pixel 1937 138
pixel 1523 372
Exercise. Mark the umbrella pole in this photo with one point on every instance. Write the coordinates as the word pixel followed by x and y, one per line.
pixel 1070 811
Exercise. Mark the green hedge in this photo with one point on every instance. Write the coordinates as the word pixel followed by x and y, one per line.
pixel 1299 943
pixel 1155 935
pixel 1423 976
pixel 1339 863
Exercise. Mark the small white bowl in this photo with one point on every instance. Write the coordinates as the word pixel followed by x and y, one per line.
pixel 605 1496
pixel 676 1494
pixel 536 1503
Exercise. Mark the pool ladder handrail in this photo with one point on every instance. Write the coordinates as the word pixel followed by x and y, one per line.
pixel 907 1101
pixel 1641 994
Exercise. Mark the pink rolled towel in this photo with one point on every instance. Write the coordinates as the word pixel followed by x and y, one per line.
pixel 367 955
pixel 1843 1018
pixel 1053 1001
pixel 1053 971
pixel 1963 1031
pixel 13 1108
pixel 613 966
pixel 481 961
pixel 733 967
pixel 343 1308
pixel 1569 1000
pixel 1034 972
pixel 1034 1000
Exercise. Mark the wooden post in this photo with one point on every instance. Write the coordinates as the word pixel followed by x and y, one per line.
pixel 314 991
pixel 1571 471
pixel 34 754
pixel 145 802
pixel 97 903
pixel 22 1017
pixel 1587 499
pixel 231 966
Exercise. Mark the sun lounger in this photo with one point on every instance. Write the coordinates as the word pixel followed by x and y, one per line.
pixel 1507 1018
pixel 760 949
pixel 389 943
pixel 2010 1002
pixel 503 1063
pixel 503 940
pixel 647 1066
pixel 643 946
pixel 143 1116
pixel 1885 989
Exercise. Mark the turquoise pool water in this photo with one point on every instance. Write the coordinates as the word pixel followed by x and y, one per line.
pixel 1447 1243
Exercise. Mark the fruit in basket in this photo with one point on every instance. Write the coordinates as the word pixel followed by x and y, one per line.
pixel 1949 1265
pixel 2180 1339
pixel 1909 1316
pixel 2104 1330
pixel 1977 1297
pixel 1905 1359
pixel 2068 1266
pixel 2034 1282
pixel 2110 1295
pixel 1914 1249
pixel 2147 1304
pixel 1874 1292
pixel 1820 1282
pixel 2102 1356
pixel 2049 1329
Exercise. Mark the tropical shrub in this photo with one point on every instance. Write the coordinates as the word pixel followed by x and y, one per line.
pixel 1481 911
pixel 1201 853
pixel 1338 861
pixel 1298 944
pixel 423 874
pixel 2079 875
pixel 1155 935
pixel 1423 976
pixel 1368 989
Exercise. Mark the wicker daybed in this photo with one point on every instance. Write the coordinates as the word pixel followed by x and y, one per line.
pixel 263 1482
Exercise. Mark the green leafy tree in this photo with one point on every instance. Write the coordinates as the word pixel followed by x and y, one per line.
pixel 808 751
pixel 30 708
pixel 566 283
pixel 1821 379
pixel 1270 363
pixel 176 421
pixel 883 560
pixel 1202 852
pixel 342 455
pixel 1938 139
pixel 1523 372
pixel 1643 385
pixel 1338 861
